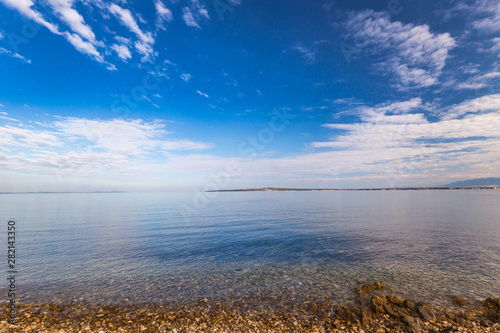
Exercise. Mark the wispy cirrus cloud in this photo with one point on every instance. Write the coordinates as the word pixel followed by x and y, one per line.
pixel 308 53
pixel 486 15
pixel 194 13
pixel 412 53
pixel 163 15
pixel 82 38
pixel 14 55
pixel 25 7
pixel 144 44
pixel 64 9
pixel 392 144
pixel 84 147
pixel 202 94
pixel 478 82
pixel 480 105
pixel 397 140
pixel 84 46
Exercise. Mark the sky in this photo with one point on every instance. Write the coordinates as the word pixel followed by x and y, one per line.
pixel 172 95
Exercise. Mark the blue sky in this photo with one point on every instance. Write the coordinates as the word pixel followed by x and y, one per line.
pixel 193 95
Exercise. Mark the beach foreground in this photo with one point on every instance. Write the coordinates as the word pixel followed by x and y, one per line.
pixel 375 312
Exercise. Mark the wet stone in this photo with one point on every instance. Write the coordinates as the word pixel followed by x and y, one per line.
pixel 459 301
pixel 425 311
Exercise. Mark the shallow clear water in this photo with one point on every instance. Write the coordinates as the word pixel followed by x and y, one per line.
pixel 134 248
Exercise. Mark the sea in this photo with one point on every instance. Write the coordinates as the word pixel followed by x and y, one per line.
pixel 168 248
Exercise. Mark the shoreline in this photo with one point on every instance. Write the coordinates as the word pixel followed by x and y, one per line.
pixel 375 311
pixel 284 189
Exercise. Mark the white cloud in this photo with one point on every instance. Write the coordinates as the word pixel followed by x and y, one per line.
pixel 201 93
pixel 489 103
pixel 1 35
pixel 413 53
pixel 470 85
pixel 82 38
pixel 8 118
pixel 122 51
pixel 185 145
pixel 401 107
pixel 14 55
pixel 157 95
pixel 185 77
pixel 25 8
pixel 83 46
pixel 83 147
pixel 130 138
pixel 487 15
pixel 409 146
pixel 194 13
pixel 70 16
pixel 145 43
pixel 308 53
pixel 163 14
pixel 188 17
pixel 126 18
pixel 478 82
pixel 20 137
pixel 492 75
pixel 123 40
pixel 496 45
pixel 145 49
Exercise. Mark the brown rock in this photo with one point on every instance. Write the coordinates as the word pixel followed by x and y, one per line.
pixel 492 303
pixel 412 324
pixel 459 301
pixel 366 317
pixel 366 288
pixel 425 311
pixel 394 300
pixel 407 304
pixel 379 305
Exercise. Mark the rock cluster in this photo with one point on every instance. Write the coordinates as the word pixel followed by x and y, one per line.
pixel 376 312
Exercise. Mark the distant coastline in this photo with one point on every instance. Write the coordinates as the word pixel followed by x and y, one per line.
pixel 283 189
pixel 48 192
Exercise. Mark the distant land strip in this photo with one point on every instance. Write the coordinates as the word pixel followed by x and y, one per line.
pixel 281 189
pixel 46 192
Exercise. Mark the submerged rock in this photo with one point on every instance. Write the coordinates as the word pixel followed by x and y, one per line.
pixel 378 285
pixel 366 288
pixel 459 301
pixel 492 303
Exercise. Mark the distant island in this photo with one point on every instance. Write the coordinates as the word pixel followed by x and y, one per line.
pixel 281 189
pixel 473 184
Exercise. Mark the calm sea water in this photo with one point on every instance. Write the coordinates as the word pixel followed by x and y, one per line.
pixel 134 248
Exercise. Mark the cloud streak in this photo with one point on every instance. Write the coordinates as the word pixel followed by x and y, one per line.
pixel 163 15
pixel 414 54
pixel 14 55
pixel 195 13
pixel 144 44
pixel 85 147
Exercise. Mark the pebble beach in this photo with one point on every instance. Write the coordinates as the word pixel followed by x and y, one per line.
pixel 375 311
